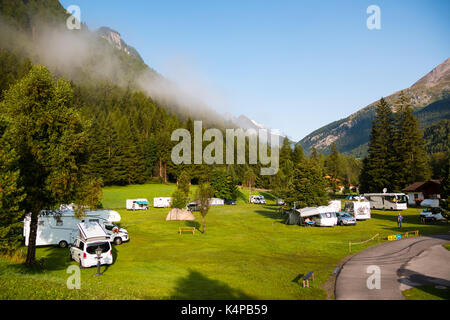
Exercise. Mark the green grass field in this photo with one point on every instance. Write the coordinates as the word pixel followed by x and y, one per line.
pixel 427 293
pixel 247 253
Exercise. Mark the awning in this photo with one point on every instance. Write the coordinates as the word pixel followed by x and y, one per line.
pixel 142 202
pixel 314 211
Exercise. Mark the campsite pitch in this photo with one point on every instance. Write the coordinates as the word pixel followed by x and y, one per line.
pixel 247 253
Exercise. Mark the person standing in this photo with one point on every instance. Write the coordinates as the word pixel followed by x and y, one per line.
pixel 399 220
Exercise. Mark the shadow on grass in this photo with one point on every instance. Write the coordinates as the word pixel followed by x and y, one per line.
pixel 425 283
pixel 267 196
pixel 54 259
pixel 297 278
pixel 272 214
pixel 193 224
pixel 198 287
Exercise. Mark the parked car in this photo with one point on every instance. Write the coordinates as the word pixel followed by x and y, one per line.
pixel 345 219
pixel 91 236
pixel 230 202
pixel 433 214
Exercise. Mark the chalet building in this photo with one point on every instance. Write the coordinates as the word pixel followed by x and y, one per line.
pixel 423 190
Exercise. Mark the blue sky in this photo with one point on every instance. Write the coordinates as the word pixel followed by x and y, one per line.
pixel 292 65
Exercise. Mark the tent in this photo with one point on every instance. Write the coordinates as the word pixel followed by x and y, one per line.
pixel 294 217
pixel 179 214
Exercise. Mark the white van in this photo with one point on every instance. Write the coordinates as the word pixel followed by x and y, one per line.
pixel 257 200
pixel 91 236
pixel 59 227
pixel 162 202
pixel 360 210
pixel 336 205
pixel 137 204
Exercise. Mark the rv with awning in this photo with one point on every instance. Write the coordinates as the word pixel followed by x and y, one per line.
pixel 323 216
pixel 137 204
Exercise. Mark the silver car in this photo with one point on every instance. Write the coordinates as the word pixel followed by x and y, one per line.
pixel 345 219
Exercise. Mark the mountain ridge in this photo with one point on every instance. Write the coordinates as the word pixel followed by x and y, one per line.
pixel 352 133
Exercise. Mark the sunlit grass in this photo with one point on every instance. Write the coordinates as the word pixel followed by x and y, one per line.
pixel 247 253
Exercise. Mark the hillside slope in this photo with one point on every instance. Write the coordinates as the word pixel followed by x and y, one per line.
pixel 430 97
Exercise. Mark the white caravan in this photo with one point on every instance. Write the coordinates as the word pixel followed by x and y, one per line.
pixel 137 204
pixel 216 202
pixel 322 216
pixel 91 236
pixel 162 202
pixel 387 201
pixel 360 210
pixel 59 227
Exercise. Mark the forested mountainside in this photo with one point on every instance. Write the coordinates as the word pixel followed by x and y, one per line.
pixel 430 97
pixel 132 109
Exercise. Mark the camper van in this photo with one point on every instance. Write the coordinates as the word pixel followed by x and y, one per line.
pixel 360 210
pixel 387 201
pixel 321 216
pixel 257 200
pixel 91 236
pixel 162 202
pixel 137 204
pixel 59 227
pixel 336 205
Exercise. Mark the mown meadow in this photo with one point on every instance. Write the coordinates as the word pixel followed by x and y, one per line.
pixel 247 252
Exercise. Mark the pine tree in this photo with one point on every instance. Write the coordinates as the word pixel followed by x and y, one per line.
pixel 376 173
pixel 410 161
pixel 309 187
pixel 333 165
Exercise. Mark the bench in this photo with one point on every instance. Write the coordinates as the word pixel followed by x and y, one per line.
pixel 309 276
pixel 187 229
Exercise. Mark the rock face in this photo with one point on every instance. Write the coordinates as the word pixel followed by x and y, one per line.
pixel 179 214
pixel 351 134
pixel 438 74
pixel 114 38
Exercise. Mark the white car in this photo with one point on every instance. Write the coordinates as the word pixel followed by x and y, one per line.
pixel 84 252
pixel 116 234
pixel 432 214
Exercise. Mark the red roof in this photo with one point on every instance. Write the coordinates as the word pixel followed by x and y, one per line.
pixel 417 186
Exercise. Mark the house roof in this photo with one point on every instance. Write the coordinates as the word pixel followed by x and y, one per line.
pixel 414 187
pixel 417 186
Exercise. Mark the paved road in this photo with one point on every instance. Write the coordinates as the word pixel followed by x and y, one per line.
pixel 402 264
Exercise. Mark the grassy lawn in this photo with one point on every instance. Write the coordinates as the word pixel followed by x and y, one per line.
pixel 447 246
pixel 247 253
pixel 427 293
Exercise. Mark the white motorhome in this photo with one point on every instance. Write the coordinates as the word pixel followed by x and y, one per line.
pixel 336 205
pixel 59 227
pixel 323 216
pixel 91 236
pixel 360 210
pixel 137 204
pixel 387 201
pixel 257 200
pixel 162 202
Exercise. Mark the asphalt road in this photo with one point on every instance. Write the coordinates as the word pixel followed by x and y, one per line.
pixel 400 264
